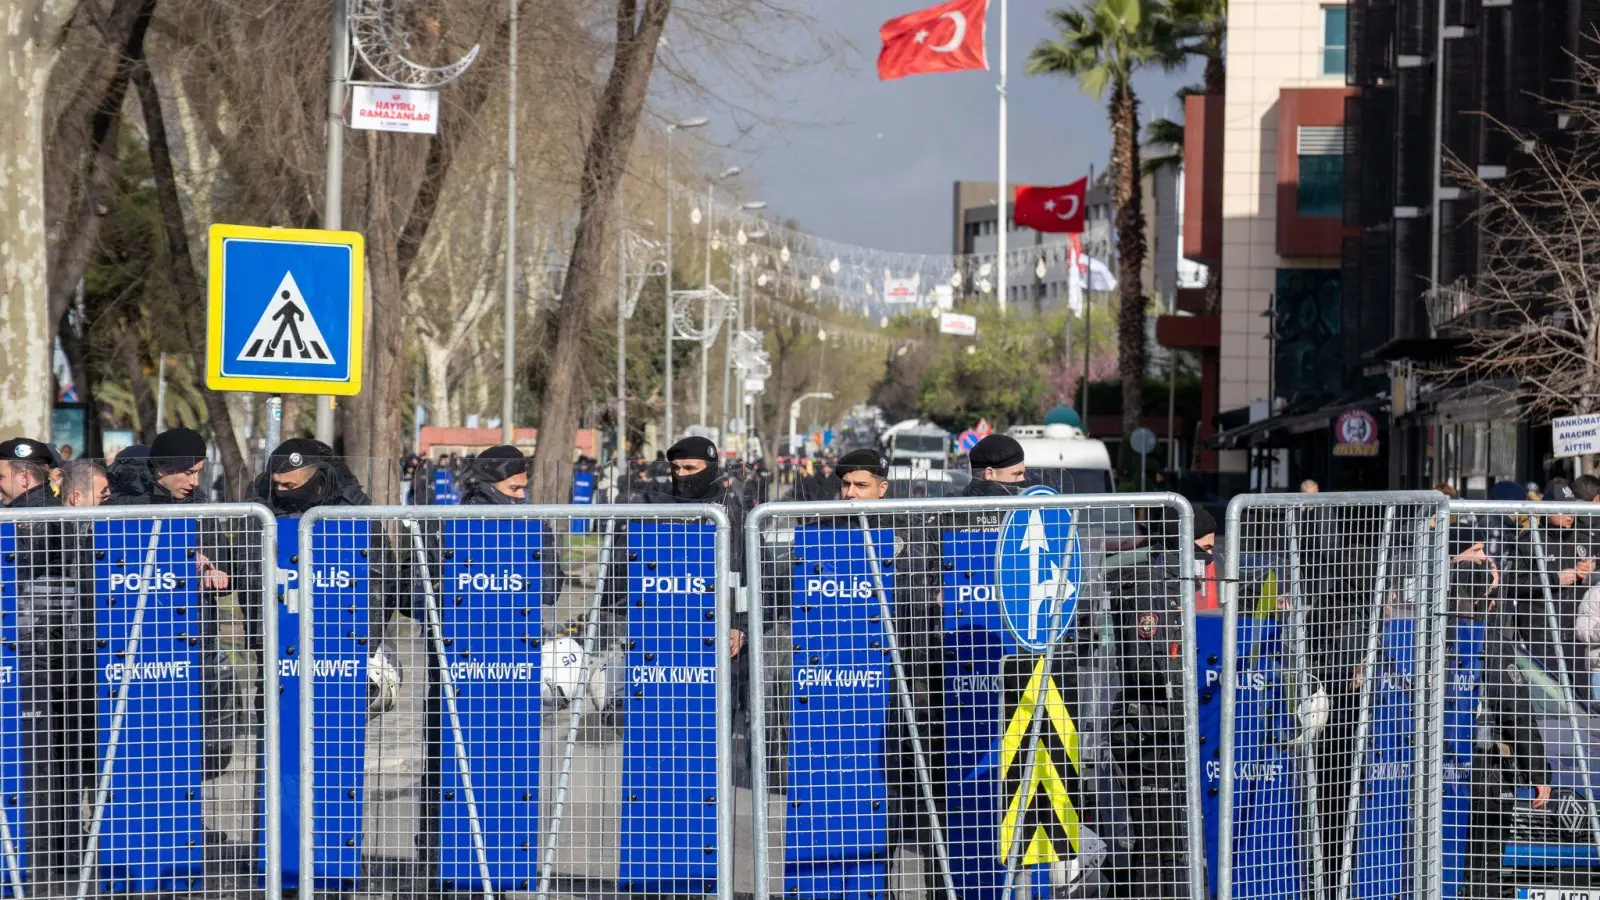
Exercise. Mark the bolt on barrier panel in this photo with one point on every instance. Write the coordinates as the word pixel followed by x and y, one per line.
pixel 974 699
pixel 524 701
pixel 138 752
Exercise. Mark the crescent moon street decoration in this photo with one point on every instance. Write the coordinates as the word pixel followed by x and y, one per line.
pixel 956 39
pixel 380 40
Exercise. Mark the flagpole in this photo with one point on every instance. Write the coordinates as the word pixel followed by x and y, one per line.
pixel 1002 206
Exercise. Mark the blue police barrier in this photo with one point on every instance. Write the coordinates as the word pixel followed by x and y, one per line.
pixel 1208 633
pixel 976 642
pixel 583 495
pixel 1269 852
pixel 489 614
pixel 1463 693
pixel 669 813
pixel 1385 838
pixel 146 816
pixel 13 819
pixel 445 492
pixel 340 589
pixel 837 831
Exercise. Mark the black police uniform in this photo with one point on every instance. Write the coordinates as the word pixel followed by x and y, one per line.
pixel 55 661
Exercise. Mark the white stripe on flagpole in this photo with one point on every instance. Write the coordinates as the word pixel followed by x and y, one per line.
pixel 1002 199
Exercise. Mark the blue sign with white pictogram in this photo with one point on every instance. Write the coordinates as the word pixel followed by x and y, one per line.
pixel 1037 569
pixel 285 310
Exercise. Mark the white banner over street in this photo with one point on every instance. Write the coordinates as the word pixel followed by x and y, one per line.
pixel 1575 435
pixel 394 109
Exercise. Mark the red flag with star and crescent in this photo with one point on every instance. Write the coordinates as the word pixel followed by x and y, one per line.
pixel 943 38
pixel 1056 209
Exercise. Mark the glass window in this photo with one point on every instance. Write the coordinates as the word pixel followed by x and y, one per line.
pixel 1321 188
pixel 1333 31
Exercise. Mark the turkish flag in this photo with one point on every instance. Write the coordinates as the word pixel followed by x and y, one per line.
pixel 1052 208
pixel 943 38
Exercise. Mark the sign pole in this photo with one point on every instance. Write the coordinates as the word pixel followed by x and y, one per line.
pixel 275 422
pixel 333 179
pixel 1022 828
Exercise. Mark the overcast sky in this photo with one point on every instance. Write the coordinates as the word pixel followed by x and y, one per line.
pixel 873 162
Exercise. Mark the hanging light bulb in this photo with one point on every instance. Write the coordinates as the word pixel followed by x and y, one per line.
pixel 955 280
pixel 716 243
pixel 695 216
pixel 883 321
pixel 935 312
pixel 971 349
pixel 816 283
pixel 833 265
pixel 761 280
pixel 1039 270
pixel 983 270
pixel 822 335
pixel 985 286
pixel 902 350
pixel 743 239
pixel 784 254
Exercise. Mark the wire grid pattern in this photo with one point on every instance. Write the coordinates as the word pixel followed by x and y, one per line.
pixel 516 701
pixel 135 748
pixel 908 743
pixel 1332 713
pixel 1521 748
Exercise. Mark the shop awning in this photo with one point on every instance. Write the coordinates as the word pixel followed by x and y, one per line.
pixel 1294 420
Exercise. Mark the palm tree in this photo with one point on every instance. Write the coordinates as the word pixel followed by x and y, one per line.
pixel 1102 45
pixel 1201 29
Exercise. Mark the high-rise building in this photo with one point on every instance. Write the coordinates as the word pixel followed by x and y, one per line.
pixel 1434 79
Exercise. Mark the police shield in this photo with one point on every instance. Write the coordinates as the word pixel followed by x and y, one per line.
pixel 668 773
pixel 340 594
pixel 838 829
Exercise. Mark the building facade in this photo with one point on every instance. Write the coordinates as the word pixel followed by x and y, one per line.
pixel 1435 77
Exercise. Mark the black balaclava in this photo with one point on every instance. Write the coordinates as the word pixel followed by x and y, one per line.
pixel 298 453
pixel 1204 524
pixel 702 485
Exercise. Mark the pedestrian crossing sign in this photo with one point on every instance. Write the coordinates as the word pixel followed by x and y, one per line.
pixel 285 312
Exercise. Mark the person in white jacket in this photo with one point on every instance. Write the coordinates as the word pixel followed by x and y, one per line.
pixel 1587 632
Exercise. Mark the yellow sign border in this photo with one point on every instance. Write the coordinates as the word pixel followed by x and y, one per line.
pixel 217 381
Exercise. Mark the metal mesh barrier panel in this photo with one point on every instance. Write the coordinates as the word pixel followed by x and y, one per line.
pixel 508 700
pixel 136 752
pixel 968 698
pixel 1332 710
pixel 1521 742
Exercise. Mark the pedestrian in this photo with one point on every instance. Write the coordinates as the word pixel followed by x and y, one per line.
pixel 66 452
pixel 1587 633
pixel 1309 486
pixel 1208 597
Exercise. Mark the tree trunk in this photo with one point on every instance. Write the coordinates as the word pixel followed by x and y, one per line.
pixel 1131 347
pixel 83 150
pixel 616 121
pixel 31 42
pixel 436 358
pixel 184 278
pixel 1216 74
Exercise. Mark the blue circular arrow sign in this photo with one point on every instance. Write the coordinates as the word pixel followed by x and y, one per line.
pixel 1038 569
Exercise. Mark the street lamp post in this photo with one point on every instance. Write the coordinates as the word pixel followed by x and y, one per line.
pixel 736 267
pixel 794 417
pixel 711 235
pixel 697 122
pixel 508 367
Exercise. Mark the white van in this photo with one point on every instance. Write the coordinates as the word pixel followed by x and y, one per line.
pixel 1065 458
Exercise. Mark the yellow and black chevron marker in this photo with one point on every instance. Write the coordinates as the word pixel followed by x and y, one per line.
pixel 1039 780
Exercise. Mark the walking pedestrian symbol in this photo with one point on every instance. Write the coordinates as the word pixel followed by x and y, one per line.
pixel 285 312
pixel 285 330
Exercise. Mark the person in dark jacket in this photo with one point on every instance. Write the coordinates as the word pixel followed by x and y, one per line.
pixel 55 615
pixel 169 473
pixel 303 474
pixel 498 476
pixel 695 479
pixel 998 469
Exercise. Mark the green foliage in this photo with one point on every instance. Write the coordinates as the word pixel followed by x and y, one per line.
pixel 1105 42
pixel 1105 397
pixel 1004 378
